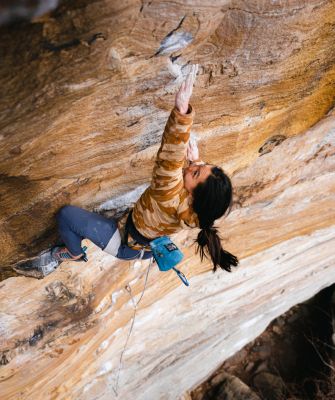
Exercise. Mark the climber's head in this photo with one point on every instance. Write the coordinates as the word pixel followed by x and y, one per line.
pixel 212 193
pixel 212 197
pixel 195 174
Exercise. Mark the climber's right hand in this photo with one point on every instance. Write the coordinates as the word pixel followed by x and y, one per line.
pixel 192 151
pixel 185 91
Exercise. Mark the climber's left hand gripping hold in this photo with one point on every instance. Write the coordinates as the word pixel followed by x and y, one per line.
pixel 185 91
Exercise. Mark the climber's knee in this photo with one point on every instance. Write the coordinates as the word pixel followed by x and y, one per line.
pixel 63 212
pixel 114 244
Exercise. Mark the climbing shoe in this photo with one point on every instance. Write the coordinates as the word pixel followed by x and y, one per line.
pixel 39 266
pixel 61 253
pixel 46 262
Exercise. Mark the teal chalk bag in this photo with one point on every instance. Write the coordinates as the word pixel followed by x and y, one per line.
pixel 167 255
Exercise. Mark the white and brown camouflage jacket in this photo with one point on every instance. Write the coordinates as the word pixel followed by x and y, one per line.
pixel 165 208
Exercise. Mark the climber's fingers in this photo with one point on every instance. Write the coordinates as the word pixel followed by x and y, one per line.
pixel 185 91
pixel 181 90
pixel 194 72
pixel 192 143
pixel 190 79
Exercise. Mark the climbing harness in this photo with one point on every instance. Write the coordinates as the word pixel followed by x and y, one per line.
pixel 165 252
pixel 138 242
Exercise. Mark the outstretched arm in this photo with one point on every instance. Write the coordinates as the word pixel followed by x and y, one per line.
pixel 182 100
pixel 167 175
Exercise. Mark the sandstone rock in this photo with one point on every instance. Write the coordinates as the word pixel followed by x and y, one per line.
pixel 222 312
pixel 85 101
pixel 271 143
pixel 24 9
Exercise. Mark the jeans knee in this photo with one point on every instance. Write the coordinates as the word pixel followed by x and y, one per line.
pixel 63 212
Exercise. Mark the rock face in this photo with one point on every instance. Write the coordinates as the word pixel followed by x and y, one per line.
pixel 12 11
pixel 86 92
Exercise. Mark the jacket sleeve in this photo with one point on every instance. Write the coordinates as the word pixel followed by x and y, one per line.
pixel 186 216
pixel 167 179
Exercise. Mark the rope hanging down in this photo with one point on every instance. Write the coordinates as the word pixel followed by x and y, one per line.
pixel 128 288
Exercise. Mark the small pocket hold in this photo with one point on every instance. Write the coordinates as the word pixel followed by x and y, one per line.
pixel 271 143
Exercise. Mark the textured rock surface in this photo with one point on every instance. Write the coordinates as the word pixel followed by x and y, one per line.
pixel 63 336
pixel 84 102
pixel 84 99
pixel 16 10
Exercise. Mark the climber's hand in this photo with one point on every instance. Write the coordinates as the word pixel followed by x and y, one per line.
pixel 192 151
pixel 185 91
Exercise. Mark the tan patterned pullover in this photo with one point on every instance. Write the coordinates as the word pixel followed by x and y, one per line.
pixel 164 207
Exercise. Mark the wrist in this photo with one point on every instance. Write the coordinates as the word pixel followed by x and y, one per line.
pixel 198 161
pixel 184 110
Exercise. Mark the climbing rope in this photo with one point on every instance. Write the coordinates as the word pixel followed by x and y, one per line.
pixel 128 288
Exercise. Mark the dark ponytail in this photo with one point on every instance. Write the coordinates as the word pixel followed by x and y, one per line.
pixel 211 200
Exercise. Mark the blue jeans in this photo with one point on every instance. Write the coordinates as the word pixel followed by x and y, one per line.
pixel 76 224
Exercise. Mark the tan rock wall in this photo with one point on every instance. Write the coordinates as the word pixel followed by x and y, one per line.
pixel 84 99
pixel 62 336
pixel 80 123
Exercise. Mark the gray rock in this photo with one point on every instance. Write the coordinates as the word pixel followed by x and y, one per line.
pixel 276 329
pixel 231 388
pixel 249 366
pixel 271 386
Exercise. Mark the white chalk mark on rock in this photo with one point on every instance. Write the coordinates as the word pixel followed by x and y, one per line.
pixel 123 201
pixel 82 85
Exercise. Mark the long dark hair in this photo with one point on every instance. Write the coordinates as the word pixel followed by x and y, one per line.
pixel 211 200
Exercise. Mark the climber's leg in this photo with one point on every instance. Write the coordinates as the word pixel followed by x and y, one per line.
pixel 75 224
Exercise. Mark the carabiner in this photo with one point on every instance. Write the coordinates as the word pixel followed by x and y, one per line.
pixel 181 276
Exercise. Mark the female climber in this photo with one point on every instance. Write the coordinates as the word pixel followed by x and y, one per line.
pixel 191 197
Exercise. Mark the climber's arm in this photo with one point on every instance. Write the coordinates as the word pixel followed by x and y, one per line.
pixel 167 174
pixel 170 158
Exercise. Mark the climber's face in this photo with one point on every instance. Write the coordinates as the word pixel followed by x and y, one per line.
pixel 195 174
